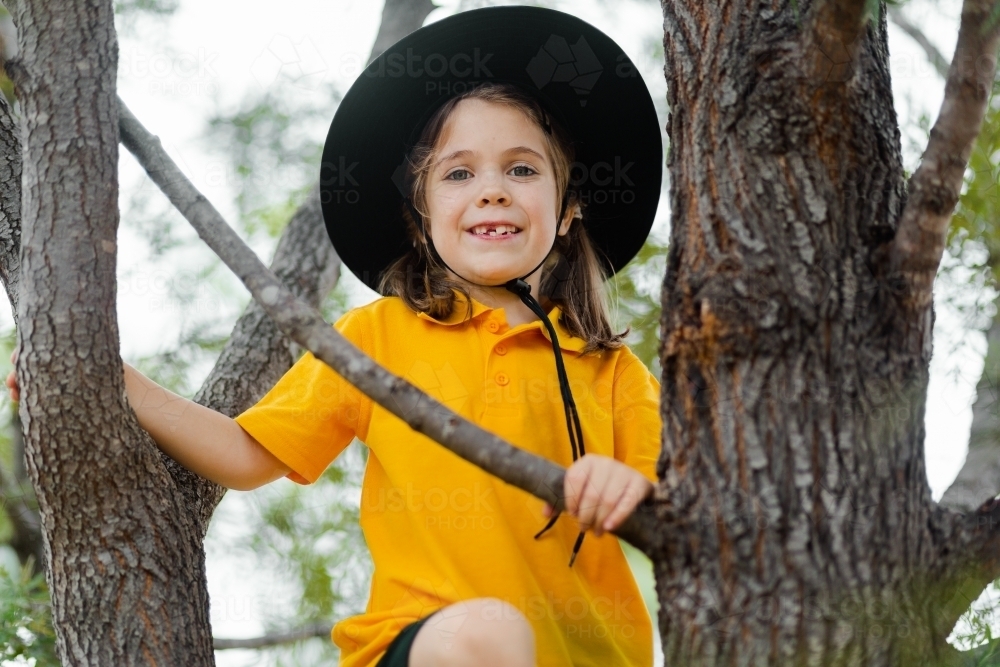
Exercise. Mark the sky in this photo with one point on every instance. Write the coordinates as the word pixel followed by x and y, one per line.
pixel 175 72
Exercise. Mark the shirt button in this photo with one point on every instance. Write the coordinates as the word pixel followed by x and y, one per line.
pixel 502 379
pixel 500 349
pixel 492 326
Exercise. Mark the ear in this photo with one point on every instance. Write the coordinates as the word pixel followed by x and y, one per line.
pixel 572 213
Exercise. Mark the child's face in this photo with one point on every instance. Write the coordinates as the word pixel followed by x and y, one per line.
pixel 492 174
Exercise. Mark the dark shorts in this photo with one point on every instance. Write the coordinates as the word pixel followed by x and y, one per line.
pixel 398 653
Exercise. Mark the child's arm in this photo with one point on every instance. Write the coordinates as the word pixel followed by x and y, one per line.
pixel 601 492
pixel 202 440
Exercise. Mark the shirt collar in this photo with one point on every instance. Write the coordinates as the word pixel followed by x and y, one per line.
pixel 567 341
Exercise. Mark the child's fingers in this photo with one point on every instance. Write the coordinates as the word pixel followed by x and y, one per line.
pixel 15 394
pixel 590 500
pixel 629 500
pixel 573 483
pixel 615 490
pixel 547 510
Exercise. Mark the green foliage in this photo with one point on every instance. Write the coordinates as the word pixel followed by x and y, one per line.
pixel 26 635
pixel 273 152
pixel 974 234
pixel 159 7
pixel 129 12
pixel 310 539
pixel 637 295
pixel 974 634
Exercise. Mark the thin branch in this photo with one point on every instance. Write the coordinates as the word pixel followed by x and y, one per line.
pixel 275 639
pixel 934 188
pixel 935 57
pixel 305 326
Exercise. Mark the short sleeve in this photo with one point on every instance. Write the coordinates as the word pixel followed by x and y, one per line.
pixel 312 413
pixel 637 422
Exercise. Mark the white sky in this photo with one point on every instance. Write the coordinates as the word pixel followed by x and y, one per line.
pixel 173 76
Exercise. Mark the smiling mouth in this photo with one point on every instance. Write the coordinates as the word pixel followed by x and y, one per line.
pixel 490 229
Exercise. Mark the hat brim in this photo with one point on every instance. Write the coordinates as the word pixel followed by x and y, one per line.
pixel 576 71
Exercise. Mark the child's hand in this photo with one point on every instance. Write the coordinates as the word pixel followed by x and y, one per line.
pixel 15 390
pixel 601 492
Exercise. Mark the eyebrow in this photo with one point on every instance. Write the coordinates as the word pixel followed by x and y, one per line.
pixel 510 151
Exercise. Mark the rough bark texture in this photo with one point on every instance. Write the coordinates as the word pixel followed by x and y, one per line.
pixel 795 356
pixel 120 547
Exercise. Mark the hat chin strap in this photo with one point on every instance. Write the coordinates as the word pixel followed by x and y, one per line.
pixel 521 288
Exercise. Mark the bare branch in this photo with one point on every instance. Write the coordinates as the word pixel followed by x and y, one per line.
pixel 933 55
pixel 933 190
pixel 257 353
pixel 277 638
pixel 304 325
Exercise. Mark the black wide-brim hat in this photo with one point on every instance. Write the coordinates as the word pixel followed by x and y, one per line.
pixel 579 74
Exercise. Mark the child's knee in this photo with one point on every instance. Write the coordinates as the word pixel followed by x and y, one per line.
pixel 481 631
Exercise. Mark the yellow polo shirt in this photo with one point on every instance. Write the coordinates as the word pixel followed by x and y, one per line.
pixel 441 530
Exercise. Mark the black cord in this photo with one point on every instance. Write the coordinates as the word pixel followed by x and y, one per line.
pixel 522 289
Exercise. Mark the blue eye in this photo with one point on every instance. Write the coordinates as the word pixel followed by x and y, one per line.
pixel 458 175
pixel 523 170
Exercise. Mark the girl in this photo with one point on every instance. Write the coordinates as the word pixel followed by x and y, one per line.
pixel 488 219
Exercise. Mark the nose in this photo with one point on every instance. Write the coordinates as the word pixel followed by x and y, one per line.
pixel 493 192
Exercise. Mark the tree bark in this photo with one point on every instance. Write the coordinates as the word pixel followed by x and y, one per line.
pixel 796 336
pixel 120 547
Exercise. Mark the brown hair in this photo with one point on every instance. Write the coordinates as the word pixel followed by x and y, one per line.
pixel 572 276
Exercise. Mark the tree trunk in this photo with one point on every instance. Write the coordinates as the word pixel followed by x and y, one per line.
pixel 795 354
pixel 120 546
pixel 121 522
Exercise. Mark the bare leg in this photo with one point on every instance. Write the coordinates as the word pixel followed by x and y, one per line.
pixel 483 632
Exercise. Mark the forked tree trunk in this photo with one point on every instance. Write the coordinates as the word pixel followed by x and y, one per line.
pixel 795 358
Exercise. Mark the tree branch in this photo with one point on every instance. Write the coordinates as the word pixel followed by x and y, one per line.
pixel 277 638
pixel 939 62
pixel 304 325
pixel 257 353
pixel 934 188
